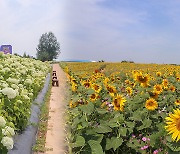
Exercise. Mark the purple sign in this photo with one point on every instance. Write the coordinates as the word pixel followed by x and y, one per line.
pixel 6 49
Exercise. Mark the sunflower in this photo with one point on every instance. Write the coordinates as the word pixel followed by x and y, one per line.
pixel 165 83
pixel 94 97
pixel 129 90
pixel 118 78
pixel 112 79
pixel 158 88
pixel 158 73
pixel 172 88
pixel 72 105
pixel 106 80
pixel 111 89
pixel 86 83
pixel 177 102
pixel 154 94
pixel 173 125
pixel 127 81
pixel 134 73
pixel 118 102
pixel 178 77
pixel 74 87
pixel 73 80
pixel 151 104
pixel 96 87
pixel 133 84
pixel 143 79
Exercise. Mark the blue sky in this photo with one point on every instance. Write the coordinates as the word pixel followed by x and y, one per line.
pixel 144 31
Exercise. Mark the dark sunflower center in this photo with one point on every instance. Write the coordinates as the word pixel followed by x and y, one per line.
pixel 96 87
pixel 165 82
pixel 151 103
pixel 178 124
pixel 142 79
pixel 87 84
pixel 93 96
pixel 116 102
pixel 172 88
pixel 74 81
pixel 158 88
pixel 110 89
pixel 112 79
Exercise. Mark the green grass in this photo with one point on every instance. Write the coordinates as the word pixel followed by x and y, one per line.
pixel 43 123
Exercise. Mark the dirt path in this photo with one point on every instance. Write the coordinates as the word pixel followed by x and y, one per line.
pixel 55 138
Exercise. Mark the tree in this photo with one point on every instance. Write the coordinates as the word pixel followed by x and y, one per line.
pixel 48 47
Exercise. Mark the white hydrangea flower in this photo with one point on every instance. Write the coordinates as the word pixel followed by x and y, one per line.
pixel 12 80
pixel 26 97
pixel 7 142
pixel 8 131
pixel 6 69
pixel 20 86
pixel 17 92
pixel 9 92
pixel 2 121
pixel 14 86
pixel 23 71
pixel 28 81
pixel 30 94
pixel 5 85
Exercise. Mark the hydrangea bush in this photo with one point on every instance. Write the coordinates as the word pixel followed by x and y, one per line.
pixel 6 135
pixel 20 81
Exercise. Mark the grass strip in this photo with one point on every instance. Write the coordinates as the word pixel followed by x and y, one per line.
pixel 43 123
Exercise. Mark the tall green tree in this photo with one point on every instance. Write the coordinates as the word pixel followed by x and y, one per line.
pixel 48 47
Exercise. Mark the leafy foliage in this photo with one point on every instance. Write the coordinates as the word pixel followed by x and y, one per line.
pixel 20 81
pixel 48 47
pixel 95 111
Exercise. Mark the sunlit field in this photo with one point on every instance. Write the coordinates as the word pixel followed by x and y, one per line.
pixel 124 108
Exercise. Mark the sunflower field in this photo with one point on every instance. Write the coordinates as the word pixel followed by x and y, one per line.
pixel 21 79
pixel 123 108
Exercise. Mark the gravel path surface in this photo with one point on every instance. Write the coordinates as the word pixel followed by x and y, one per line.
pixel 55 138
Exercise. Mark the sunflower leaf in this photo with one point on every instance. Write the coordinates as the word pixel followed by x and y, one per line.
pixel 80 141
pixel 95 147
pixel 101 111
pixel 87 108
pixel 116 142
pixel 174 146
pixel 103 129
pixel 108 144
pixel 122 131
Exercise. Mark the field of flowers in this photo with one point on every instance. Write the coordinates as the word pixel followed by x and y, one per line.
pixel 20 81
pixel 124 108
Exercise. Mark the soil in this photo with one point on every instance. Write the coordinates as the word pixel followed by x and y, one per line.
pixel 55 138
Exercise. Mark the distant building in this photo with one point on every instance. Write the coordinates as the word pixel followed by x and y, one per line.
pixel 6 49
